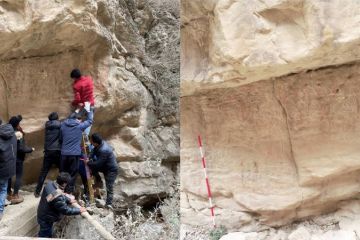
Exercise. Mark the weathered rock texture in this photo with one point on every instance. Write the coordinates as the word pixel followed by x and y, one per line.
pixel 273 87
pixel 227 43
pixel 136 89
pixel 343 224
pixel 77 227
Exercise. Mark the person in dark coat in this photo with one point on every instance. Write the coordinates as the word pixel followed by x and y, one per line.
pixel 103 160
pixel 8 148
pixel 22 150
pixel 70 138
pixel 52 149
pixel 53 204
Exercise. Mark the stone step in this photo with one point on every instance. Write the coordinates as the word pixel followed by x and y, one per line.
pixel 20 222
pixel 20 219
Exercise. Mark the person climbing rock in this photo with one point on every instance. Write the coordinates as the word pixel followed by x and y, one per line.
pixel 22 150
pixel 70 138
pixel 8 148
pixel 103 160
pixel 53 204
pixel 52 149
pixel 83 88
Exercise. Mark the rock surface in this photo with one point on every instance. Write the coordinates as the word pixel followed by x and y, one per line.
pixel 227 43
pixel 76 227
pixel 130 48
pixel 289 144
pixel 272 87
pixel 336 225
pixel 20 219
pixel 326 227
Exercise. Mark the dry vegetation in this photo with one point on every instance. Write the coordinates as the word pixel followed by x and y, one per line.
pixel 161 223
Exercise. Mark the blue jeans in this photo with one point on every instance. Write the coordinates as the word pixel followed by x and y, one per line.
pixel 3 193
pixel 87 131
pixel 46 229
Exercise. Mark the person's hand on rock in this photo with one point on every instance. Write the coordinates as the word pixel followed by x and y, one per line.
pixel 82 209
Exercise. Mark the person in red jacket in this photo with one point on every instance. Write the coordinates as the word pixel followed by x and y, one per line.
pixel 83 87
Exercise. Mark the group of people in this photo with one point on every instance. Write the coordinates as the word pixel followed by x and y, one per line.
pixel 64 147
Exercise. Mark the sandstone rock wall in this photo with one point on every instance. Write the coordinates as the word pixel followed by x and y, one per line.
pixel 342 224
pixel 130 48
pixel 227 43
pixel 272 86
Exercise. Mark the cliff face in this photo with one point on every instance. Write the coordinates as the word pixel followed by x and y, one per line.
pixel 273 87
pixel 227 43
pixel 130 48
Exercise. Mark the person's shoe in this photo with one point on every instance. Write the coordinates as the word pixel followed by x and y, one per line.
pixel 7 203
pixel 37 194
pixel 109 207
pixel 100 203
pixel 9 197
pixel 16 199
pixel 1 215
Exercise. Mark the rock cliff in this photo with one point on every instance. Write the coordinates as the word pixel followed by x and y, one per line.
pixel 130 48
pixel 273 87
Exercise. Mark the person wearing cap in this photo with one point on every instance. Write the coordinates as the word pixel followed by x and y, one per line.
pixel 83 88
pixel 71 133
pixel 52 149
pixel 8 147
pixel 22 150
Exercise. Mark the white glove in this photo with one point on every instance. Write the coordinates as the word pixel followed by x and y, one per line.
pixel 87 106
pixel 18 135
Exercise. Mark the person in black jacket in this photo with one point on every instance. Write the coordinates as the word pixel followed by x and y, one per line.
pixel 52 149
pixel 8 149
pixel 22 150
pixel 53 204
pixel 103 160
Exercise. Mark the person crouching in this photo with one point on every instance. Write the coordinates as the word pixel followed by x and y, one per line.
pixel 54 203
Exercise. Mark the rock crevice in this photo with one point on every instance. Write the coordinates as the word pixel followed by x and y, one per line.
pixel 281 149
pixel 286 117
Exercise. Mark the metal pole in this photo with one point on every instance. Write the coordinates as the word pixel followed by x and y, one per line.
pixel 206 180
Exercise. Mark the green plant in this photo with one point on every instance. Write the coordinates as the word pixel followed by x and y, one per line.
pixel 217 233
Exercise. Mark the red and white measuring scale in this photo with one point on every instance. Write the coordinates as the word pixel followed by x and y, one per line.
pixel 207 180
